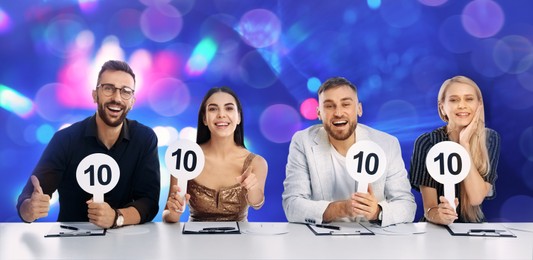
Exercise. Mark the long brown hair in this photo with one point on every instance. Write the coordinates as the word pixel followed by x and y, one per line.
pixel 203 134
pixel 478 147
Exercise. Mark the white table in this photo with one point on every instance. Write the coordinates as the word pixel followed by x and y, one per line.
pixel 165 241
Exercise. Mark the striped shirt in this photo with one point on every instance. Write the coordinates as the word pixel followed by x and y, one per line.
pixel 419 176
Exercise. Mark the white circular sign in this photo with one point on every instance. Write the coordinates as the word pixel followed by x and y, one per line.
pixel 184 159
pixel 366 161
pixel 97 174
pixel 448 162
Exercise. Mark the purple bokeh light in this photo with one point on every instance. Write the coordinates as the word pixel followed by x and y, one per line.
pixel 169 97
pixel 279 122
pixel 483 18
pixel 161 23
pixel 433 2
pixel 259 28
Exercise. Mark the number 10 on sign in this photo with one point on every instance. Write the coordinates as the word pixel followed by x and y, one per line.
pixel 366 163
pixel 97 174
pixel 184 160
pixel 448 163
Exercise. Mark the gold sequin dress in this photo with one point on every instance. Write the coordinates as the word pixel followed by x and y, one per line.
pixel 225 204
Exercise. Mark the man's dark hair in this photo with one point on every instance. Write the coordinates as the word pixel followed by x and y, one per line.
pixel 336 82
pixel 116 65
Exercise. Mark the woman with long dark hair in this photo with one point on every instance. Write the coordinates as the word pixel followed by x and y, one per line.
pixel 233 178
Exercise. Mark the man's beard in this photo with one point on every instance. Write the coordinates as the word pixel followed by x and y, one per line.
pixel 103 115
pixel 342 135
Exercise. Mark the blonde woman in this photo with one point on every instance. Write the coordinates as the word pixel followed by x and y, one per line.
pixel 460 105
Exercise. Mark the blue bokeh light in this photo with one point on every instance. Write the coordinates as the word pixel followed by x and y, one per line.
pixel 45 133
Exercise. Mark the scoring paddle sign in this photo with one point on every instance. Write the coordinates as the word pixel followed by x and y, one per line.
pixel 366 163
pixel 448 163
pixel 185 160
pixel 97 174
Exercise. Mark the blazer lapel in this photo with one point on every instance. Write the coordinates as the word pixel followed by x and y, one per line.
pixel 361 133
pixel 323 163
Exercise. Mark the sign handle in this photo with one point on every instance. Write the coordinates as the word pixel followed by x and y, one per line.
pixel 449 194
pixel 182 183
pixel 362 187
pixel 98 198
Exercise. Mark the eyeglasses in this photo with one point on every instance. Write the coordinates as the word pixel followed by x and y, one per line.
pixel 109 90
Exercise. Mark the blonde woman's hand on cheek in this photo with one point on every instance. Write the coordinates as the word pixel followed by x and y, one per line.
pixel 466 133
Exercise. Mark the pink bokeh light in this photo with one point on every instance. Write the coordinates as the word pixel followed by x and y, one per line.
pixel 88 6
pixel 5 22
pixel 308 109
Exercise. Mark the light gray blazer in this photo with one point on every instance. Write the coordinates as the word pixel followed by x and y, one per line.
pixel 308 185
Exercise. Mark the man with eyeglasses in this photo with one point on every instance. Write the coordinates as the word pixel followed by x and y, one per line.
pixel 132 145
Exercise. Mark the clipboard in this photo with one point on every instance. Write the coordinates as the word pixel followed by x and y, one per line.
pixel 203 228
pixel 340 229
pixel 479 230
pixel 75 230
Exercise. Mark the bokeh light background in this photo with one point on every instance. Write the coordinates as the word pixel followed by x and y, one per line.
pixel 274 54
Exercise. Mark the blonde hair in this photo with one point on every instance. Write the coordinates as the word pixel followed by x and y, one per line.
pixel 478 147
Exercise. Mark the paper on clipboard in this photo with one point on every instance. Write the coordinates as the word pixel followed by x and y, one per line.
pixel 230 227
pixel 400 229
pixel 344 229
pixel 66 229
pixel 479 229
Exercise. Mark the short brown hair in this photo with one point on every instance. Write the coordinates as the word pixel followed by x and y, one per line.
pixel 336 82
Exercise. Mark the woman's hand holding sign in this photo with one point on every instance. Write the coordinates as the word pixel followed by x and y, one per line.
pixel 185 161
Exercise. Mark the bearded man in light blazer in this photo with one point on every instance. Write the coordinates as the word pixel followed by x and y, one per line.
pixel 317 186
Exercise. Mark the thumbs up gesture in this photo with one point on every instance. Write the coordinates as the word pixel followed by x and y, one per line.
pixel 38 205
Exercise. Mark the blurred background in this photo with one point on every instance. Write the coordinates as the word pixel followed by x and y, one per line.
pixel 274 54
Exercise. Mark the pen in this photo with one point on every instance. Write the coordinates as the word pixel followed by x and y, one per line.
pixel 486 230
pixel 218 228
pixel 328 226
pixel 68 227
